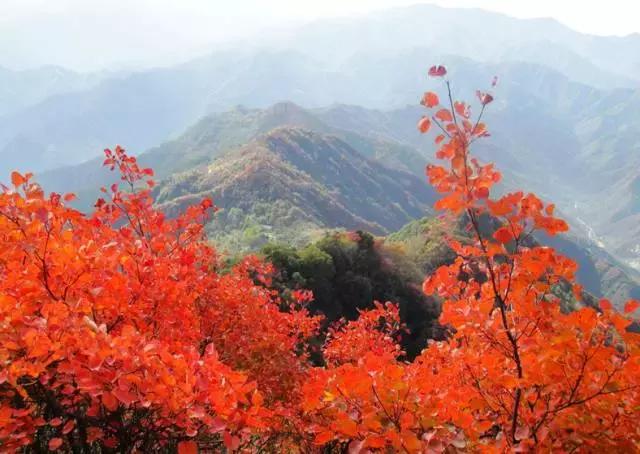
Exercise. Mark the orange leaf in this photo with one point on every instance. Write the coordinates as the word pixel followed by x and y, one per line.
pixel 55 443
pixel 323 437
pixel 375 441
pixel 257 399
pixel 503 235
pixel 631 306
pixel 187 447
pixel 406 420
pixel 605 305
pixel 430 99
pixel 348 427
pixel 444 115
pixel 424 124
pixel 17 179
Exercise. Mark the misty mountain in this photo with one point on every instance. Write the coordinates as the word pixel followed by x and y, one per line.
pixel 376 61
pixel 476 34
pixel 22 89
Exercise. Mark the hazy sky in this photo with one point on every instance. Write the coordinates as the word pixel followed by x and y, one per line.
pixel 99 34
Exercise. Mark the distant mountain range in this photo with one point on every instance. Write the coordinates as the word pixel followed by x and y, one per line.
pixel 375 61
pixel 25 88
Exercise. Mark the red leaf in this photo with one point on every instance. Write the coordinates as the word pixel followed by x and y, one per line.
pixel 323 437
pixel 206 203
pixel 124 396
pixel 110 402
pixel 444 115
pixel 430 99
pixel 55 443
pixel 461 109
pixel 482 193
pixel 485 98
pixel 631 306
pixel 187 447
pixel 424 124
pixel 503 235
pixel 522 433
pixel 55 422
pixel 17 179
pixel 605 305
pixel 68 427
pixel 230 441
pixel 437 71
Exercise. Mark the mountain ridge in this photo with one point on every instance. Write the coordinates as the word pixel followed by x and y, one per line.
pixel 317 178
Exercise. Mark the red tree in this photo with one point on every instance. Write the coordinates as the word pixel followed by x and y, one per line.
pixel 118 332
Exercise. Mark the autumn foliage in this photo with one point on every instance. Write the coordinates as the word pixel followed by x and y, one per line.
pixel 121 331
pixel 118 332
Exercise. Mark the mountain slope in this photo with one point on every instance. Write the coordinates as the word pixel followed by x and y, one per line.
pixel 216 134
pixel 424 242
pixel 291 181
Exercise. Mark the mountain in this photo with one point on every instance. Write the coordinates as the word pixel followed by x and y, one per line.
pixel 375 61
pixel 143 109
pixel 21 89
pixel 589 131
pixel 289 182
pixel 216 134
pixel 484 36
pixel 139 110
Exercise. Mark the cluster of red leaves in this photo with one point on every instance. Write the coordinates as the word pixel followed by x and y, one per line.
pixel 375 331
pixel 118 331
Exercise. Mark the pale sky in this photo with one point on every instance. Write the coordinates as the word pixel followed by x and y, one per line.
pixel 103 34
